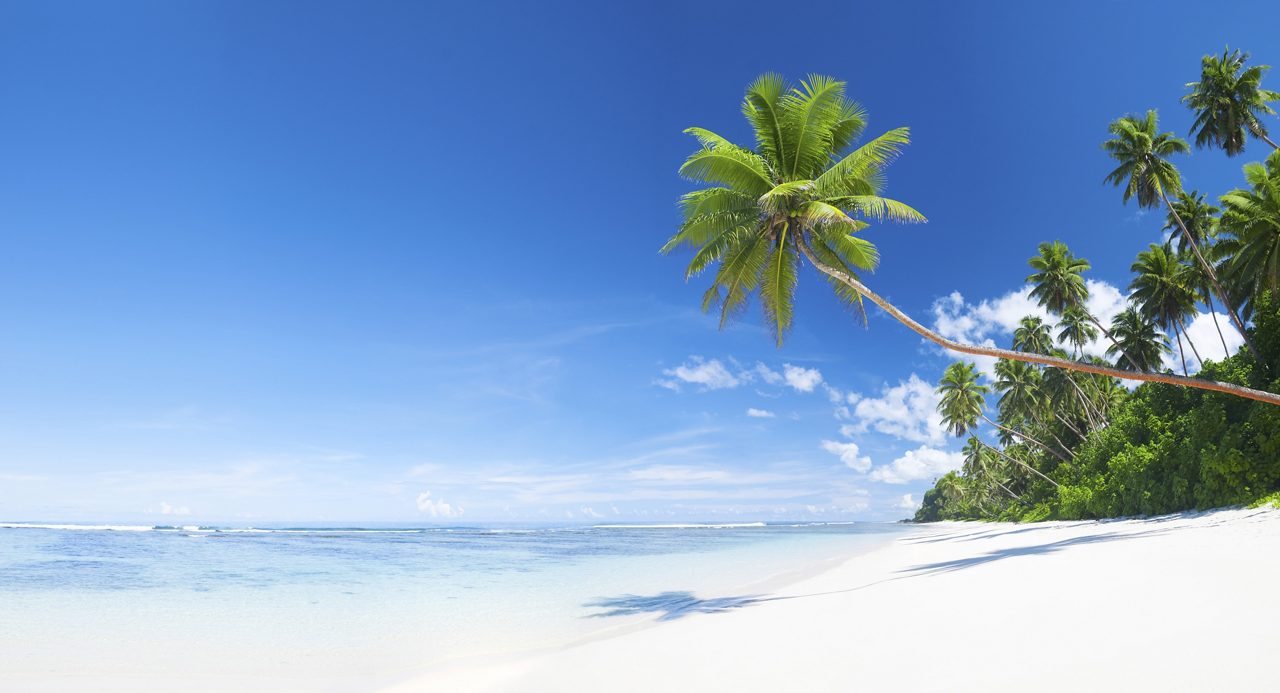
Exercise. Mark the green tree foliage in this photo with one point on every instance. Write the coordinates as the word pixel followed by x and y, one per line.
pixel 1251 233
pixel 1164 449
pixel 1228 100
pixel 801 183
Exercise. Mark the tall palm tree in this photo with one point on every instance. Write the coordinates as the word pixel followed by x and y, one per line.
pixel 801 189
pixel 1140 337
pixel 1032 336
pixel 1251 232
pixel 1145 172
pixel 1022 398
pixel 978 465
pixel 1228 100
pixel 1058 282
pixel 962 403
pixel 1201 221
pixel 1198 216
pixel 1068 402
pixel 1161 293
pixel 1077 329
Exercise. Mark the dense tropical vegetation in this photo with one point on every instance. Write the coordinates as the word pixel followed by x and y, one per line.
pixel 1073 442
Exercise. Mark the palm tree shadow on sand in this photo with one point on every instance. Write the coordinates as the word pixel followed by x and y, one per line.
pixel 678 604
pixel 671 605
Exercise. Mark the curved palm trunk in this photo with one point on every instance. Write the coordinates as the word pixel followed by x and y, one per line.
pixel 1017 461
pixel 848 280
pixel 1213 280
pixel 1181 351
pixel 1214 313
pixel 1027 438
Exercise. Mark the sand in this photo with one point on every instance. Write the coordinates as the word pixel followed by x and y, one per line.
pixel 1188 602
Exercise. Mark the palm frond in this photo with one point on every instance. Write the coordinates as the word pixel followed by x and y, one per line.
pixel 858 165
pixel 737 168
pixel 781 196
pixel 739 273
pixel 716 248
pixel 880 208
pixel 810 112
pixel 762 110
pixel 778 286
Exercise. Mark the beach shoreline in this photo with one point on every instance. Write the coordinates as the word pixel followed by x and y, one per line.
pixel 1139 604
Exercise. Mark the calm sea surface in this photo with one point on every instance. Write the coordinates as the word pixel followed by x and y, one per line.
pixel 284 602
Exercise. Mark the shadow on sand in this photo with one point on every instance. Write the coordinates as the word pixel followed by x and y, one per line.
pixel 671 605
pixel 675 605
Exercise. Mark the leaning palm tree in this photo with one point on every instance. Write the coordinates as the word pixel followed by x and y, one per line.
pixel 1228 100
pixel 962 402
pixel 1058 282
pixel 1201 221
pixel 802 192
pixel 1251 230
pixel 1160 290
pixel 786 194
pixel 1140 337
pixel 1145 172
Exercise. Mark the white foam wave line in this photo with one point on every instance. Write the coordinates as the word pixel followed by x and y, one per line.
pixel 113 528
pixel 683 526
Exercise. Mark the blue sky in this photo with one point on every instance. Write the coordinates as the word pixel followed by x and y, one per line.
pixel 389 261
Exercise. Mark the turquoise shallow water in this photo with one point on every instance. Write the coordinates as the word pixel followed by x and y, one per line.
pixel 279 601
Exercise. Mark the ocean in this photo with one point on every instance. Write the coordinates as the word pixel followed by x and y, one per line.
pixel 102 602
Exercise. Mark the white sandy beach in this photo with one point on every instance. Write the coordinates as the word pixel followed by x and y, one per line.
pixel 1180 603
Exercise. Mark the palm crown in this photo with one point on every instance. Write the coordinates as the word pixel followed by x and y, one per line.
pixel 1138 338
pixel 1197 215
pixel 1251 222
pixel 1058 283
pixel 962 397
pixel 798 185
pixel 1228 100
pixel 1142 152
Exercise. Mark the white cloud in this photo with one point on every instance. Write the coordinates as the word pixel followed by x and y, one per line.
pixel 436 508
pixel 908 410
pixel 591 512
pixel 907 502
pixel 848 453
pixel 1204 335
pixel 801 379
pixel 760 413
pixel 922 463
pixel 166 509
pixel 711 375
pixel 991 322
